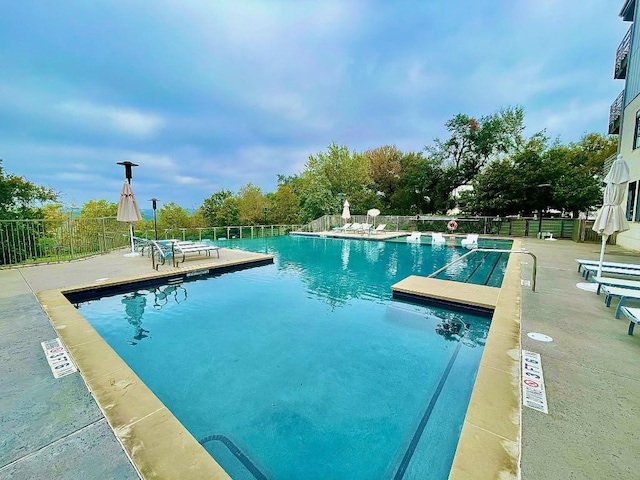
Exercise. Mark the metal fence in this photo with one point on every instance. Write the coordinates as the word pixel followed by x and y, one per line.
pixel 45 241
pixel 508 227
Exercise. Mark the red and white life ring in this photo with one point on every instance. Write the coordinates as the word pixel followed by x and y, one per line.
pixel 452 225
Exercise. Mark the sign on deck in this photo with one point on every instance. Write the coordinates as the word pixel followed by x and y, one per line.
pixel 533 391
pixel 58 358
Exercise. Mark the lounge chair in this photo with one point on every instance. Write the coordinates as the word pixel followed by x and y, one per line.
pixel 437 238
pixel 471 241
pixel 581 263
pixel 622 293
pixel 355 227
pixel 414 237
pixel 365 228
pixel 176 248
pixel 343 228
pixel 633 314
pixel 380 228
pixel 615 282
pixel 629 272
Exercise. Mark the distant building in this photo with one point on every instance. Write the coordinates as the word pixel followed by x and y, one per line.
pixel 624 118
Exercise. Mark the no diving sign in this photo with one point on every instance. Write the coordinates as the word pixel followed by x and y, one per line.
pixel 533 391
pixel 58 358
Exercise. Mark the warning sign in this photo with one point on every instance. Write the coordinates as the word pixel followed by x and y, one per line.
pixel 533 391
pixel 58 358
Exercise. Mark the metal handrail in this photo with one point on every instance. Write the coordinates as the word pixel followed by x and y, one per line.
pixel 499 250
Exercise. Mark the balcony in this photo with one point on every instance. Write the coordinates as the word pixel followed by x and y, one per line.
pixel 615 115
pixel 622 56
pixel 627 10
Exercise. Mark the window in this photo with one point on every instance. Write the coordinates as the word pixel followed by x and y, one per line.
pixel 631 202
pixel 636 134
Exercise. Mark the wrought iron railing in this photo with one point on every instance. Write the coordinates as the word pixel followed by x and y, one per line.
pixel 615 114
pixel 622 54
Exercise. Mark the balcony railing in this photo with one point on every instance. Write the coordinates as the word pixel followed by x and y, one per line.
pixel 622 56
pixel 615 115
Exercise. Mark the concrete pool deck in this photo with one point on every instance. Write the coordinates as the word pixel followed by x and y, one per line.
pixel 53 427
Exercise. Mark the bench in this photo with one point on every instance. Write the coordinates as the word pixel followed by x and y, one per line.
pixel 633 314
pixel 623 294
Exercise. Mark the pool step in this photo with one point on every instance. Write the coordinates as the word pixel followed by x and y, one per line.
pixel 465 295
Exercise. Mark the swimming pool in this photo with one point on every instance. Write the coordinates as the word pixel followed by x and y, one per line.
pixel 306 368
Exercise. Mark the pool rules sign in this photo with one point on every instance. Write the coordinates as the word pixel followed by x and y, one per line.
pixel 58 358
pixel 533 392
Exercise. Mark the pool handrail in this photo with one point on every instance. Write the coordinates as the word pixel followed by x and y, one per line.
pixel 499 250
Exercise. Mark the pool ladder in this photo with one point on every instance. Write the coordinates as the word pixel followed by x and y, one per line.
pixel 533 272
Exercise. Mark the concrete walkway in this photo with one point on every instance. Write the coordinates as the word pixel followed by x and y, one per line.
pixel 591 372
pixel 53 429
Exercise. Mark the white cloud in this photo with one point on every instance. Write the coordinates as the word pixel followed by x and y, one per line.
pixel 125 120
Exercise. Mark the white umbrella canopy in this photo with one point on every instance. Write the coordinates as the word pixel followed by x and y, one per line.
pixel 373 213
pixel 128 210
pixel 612 218
pixel 346 214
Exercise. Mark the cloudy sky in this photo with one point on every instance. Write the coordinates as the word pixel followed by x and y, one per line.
pixel 207 95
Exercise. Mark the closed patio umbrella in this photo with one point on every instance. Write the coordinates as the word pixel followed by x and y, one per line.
pixel 346 214
pixel 128 211
pixel 611 218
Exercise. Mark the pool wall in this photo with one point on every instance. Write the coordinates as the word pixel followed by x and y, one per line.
pixel 489 445
pixel 160 447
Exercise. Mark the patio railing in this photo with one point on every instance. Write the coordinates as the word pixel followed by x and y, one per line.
pixel 48 241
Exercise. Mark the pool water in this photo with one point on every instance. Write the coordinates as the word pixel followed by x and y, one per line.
pixel 307 368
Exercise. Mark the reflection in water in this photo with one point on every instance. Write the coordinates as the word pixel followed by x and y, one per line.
pixel 135 303
pixel 337 270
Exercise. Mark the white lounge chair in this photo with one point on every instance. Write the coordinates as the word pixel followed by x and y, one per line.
pixel 623 294
pixel 581 262
pixel 365 228
pixel 355 227
pixel 471 241
pixel 615 282
pixel 343 228
pixel 414 237
pixel 437 238
pixel 629 272
pixel 380 228
pixel 633 314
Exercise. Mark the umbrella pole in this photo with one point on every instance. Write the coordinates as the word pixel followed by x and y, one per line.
pixel 133 250
pixel 604 242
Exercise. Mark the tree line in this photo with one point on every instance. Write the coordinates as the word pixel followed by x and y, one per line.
pixel 501 172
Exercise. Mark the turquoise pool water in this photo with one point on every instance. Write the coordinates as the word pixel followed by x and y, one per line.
pixel 307 368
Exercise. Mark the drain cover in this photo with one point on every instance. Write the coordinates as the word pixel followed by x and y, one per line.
pixel 541 337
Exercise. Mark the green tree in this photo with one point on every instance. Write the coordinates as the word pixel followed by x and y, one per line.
pixel 251 205
pixel 99 208
pixel 474 142
pixel 20 198
pixel 172 216
pixel 229 213
pixel 285 206
pixel 211 207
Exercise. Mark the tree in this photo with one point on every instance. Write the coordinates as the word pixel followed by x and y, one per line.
pixel 99 208
pixel 251 205
pixel 229 213
pixel 171 216
pixel 211 207
pixel 385 170
pixel 331 176
pixel 473 143
pixel 21 199
pixel 285 206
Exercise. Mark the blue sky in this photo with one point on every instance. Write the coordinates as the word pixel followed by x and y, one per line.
pixel 207 95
